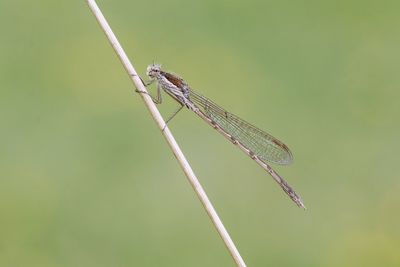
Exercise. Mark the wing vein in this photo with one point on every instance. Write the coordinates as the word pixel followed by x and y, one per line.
pixel 262 144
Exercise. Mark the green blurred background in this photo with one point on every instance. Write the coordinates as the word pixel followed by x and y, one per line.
pixel 86 179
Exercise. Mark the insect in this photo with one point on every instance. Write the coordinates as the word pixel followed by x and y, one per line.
pixel 260 146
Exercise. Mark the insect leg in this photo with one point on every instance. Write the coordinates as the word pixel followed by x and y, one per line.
pixel 173 114
pixel 157 99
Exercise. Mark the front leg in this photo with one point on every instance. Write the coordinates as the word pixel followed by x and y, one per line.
pixel 148 82
pixel 145 85
pixel 157 99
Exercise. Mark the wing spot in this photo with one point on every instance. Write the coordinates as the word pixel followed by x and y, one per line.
pixel 280 144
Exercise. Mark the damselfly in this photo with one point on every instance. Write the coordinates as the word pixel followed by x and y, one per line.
pixel 257 144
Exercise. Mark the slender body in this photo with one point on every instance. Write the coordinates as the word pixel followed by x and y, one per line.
pixel 257 144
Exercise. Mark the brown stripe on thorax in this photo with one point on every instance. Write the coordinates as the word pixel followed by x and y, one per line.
pixel 178 82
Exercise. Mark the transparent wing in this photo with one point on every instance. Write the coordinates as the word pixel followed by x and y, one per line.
pixel 262 144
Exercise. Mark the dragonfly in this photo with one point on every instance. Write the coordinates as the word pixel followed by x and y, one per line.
pixel 260 146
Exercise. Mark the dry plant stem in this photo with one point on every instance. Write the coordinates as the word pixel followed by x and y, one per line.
pixel 167 134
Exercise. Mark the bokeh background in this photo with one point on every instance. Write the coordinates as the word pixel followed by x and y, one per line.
pixel 86 178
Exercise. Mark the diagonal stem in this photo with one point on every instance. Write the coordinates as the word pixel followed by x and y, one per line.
pixel 168 136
